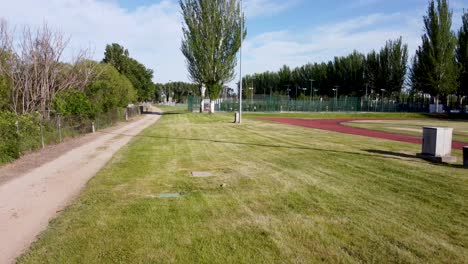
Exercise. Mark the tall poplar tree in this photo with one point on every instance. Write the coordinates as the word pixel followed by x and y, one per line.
pixel 462 55
pixel 211 40
pixel 434 68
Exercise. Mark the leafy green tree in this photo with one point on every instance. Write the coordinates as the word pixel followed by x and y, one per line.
pixel 434 70
pixel 5 87
pixel 5 84
pixel 73 103
pixel 211 39
pixel 387 69
pixel 110 89
pixel 117 56
pixel 140 77
pixel 462 55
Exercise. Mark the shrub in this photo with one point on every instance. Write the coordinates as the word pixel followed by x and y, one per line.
pixel 110 90
pixel 73 103
pixel 29 132
pixel 9 138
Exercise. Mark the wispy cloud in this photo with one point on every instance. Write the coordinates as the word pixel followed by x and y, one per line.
pixel 269 51
pixel 151 33
pixel 256 8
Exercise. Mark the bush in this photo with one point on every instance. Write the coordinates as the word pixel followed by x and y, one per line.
pixel 9 138
pixel 29 132
pixel 18 134
pixel 73 103
pixel 110 90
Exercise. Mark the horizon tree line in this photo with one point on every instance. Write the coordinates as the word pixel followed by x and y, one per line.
pixel 439 67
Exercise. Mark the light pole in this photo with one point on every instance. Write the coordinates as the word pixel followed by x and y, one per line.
pixel 288 90
pixel 383 90
pixel 251 95
pixel 336 94
pixel 240 62
pixel 304 89
pixel 311 89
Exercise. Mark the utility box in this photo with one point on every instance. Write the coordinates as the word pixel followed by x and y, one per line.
pixel 236 117
pixel 437 144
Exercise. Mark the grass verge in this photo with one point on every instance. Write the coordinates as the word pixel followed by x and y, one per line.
pixel 290 195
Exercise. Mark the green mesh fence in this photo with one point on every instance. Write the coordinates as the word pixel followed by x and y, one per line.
pixel 341 104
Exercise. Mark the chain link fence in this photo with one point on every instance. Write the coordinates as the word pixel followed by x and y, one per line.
pixel 20 134
pixel 341 104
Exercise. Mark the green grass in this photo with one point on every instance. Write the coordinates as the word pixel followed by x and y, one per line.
pixel 173 109
pixel 292 195
pixel 413 127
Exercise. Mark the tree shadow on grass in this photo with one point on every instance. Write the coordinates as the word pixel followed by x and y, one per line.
pixel 408 156
pixel 265 145
pixel 165 113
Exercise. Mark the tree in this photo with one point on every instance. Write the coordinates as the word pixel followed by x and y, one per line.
pixel 462 57
pixel 211 39
pixel 110 89
pixel 35 73
pixel 434 69
pixel 140 77
pixel 73 103
pixel 117 56
pixel 387 69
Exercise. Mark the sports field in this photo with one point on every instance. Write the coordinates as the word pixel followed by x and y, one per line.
pixel 278 193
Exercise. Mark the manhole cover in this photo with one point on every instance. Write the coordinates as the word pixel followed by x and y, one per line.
pixel 165 195
pixel 201 174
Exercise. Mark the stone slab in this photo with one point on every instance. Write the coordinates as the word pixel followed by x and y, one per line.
pixel 201 174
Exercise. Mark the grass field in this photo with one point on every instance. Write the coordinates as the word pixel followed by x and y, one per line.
pixel 414 127
pixel 279 193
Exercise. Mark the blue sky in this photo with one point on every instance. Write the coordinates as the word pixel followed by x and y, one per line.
pixel 280 32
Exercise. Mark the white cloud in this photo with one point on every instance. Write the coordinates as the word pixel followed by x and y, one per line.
pixel 270 50
pixel 151 33
pixel 255 8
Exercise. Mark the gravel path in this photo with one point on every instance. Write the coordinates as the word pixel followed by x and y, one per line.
pixel 336 125
pixel 30 198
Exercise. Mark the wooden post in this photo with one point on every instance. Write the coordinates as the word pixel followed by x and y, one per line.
pixel 60 129
pixel 42 136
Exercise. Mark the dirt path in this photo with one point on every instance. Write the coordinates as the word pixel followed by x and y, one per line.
pixel 29 201
pixel 336 125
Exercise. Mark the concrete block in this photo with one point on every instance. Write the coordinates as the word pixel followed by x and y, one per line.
pixel 437 145
pixel 437 141
pixel 236 117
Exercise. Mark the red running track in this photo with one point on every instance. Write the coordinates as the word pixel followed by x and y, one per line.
pixel 336 125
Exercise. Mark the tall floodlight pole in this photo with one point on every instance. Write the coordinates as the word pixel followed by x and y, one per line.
pixel 311 89
pixel 240 63
pixel 336 95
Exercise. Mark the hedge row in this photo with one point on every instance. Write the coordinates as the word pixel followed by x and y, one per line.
pixel 22 133
pixel 18 134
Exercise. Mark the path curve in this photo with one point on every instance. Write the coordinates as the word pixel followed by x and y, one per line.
pixel 28 202
pixel 336 125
